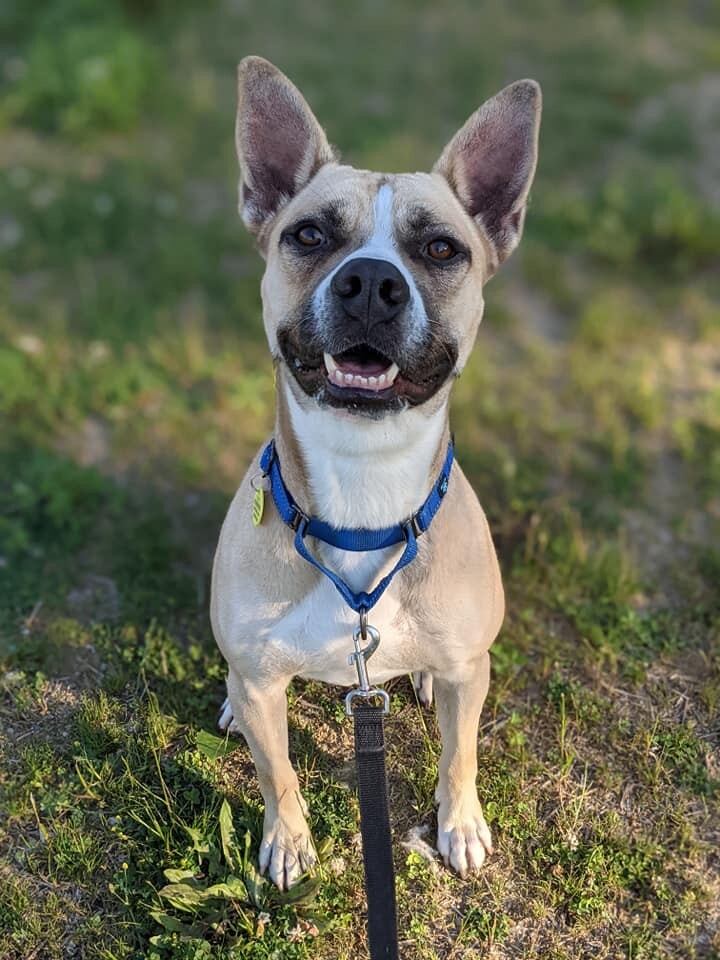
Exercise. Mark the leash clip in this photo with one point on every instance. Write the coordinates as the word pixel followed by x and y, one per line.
pixel 360 658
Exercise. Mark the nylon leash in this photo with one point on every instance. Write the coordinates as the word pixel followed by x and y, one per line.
pixel 375 831
pixel 373 798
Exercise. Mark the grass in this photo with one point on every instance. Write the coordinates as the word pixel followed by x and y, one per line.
pixel 135 386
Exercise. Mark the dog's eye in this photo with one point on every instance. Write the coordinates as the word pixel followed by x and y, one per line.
pixel 441 249
pixel 309 235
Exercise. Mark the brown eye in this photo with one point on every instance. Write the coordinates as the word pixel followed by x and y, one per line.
pixel 309 236
pixel 441 250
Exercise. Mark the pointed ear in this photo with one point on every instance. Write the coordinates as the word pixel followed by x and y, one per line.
pixel 490 163
pixel 280 144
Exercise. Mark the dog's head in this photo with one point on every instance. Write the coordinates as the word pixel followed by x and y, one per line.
pixel 372 291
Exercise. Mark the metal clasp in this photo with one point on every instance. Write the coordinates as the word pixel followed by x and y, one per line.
pixel 411 524
pixel 299 517
pixel 360 658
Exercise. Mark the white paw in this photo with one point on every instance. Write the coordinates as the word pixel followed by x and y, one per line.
pixel 287 851
pixel 226 720
pixel 226 715
pixel 423 683
pixel 463 836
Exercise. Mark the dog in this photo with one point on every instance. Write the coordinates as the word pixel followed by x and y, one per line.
pixel 372 297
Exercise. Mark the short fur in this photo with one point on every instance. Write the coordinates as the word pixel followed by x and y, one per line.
pixel 367 464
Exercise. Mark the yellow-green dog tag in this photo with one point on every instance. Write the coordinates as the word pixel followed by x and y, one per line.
pixel 258 507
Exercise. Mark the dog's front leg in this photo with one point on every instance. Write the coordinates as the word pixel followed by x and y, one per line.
pixel 463 836
pixel 260 714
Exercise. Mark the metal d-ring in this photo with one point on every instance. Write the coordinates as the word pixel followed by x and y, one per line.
pixel 367 695
pixel 261 481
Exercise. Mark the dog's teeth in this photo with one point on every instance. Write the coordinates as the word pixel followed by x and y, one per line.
pixel 358 381
pixel 392 371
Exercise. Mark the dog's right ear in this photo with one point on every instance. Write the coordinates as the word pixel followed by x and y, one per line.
pixel 280 144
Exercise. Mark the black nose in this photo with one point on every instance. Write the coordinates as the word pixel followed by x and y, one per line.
pixel 371 291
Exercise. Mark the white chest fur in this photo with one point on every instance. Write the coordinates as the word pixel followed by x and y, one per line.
pixel 313 639
pixel 362 474
pixel 367 473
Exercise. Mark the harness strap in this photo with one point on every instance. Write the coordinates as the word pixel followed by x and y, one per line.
pixel 375 830
pixel 361 600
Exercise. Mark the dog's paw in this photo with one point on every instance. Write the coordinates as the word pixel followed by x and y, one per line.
pixel 287 851
pixel 226 721
pixel 423 682
pixel 464 839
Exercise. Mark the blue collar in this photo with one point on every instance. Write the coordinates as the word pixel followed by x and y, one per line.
pixel 357 540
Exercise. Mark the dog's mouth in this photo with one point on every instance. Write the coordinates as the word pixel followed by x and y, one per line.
pixel 361 377
pixel 361 368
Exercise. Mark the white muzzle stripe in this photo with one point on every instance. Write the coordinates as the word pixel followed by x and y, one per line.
pixel 380 246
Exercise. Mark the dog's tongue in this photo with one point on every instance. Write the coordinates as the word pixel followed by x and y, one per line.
pixel 362 367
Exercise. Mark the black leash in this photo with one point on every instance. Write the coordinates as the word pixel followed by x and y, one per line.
pixel 372 794
pixel 375 830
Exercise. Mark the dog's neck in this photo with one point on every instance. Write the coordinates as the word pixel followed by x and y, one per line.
pixel 356 472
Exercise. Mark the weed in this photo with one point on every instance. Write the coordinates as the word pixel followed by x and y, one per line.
pixel 679 751
pixel 484 926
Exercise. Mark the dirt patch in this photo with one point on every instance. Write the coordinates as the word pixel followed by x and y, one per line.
pixel 47 719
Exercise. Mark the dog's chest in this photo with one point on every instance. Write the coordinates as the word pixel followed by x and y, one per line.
pixel 316 634
pixel 362 475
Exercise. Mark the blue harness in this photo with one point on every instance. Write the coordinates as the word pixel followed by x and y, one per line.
pixel 355 540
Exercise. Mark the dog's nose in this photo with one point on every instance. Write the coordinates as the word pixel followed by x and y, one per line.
pixel 371 291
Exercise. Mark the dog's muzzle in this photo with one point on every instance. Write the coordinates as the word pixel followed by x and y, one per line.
pixel 360 351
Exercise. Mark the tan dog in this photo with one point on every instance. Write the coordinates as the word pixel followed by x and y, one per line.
pixel 372 296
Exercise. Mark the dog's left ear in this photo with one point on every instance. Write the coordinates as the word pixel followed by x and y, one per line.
pixel 280 144
pixel 490 163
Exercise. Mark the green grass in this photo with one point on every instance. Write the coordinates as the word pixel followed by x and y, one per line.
pixel 135 385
